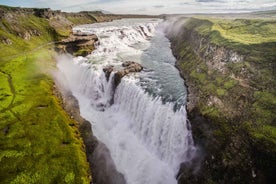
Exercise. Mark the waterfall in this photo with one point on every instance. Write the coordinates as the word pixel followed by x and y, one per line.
pixel 160 128
pixel 146 136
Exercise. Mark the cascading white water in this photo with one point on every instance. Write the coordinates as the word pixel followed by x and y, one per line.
pixel 147 136
pixel 155 124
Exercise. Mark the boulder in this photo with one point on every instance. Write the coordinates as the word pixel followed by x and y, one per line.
pixel 128 67
pixel 132 66
pixel 107 70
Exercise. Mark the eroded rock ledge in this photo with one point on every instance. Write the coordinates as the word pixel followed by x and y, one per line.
pixel 128 67
pixel 77 44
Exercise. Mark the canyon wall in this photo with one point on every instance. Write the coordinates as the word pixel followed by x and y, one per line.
pixel 231 102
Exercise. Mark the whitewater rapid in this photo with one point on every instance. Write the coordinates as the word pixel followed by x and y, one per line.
pixel 143 121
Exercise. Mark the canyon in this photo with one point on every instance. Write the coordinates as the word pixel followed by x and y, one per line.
pixel 124 106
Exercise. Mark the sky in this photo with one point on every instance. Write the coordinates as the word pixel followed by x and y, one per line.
pixel 148 6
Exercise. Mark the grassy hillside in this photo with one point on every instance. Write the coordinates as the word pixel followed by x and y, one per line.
pixel 229 65
pixel 254 39
pixel 39 142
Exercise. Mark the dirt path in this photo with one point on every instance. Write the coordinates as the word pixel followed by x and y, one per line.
pixel 8 58
pixel 9 77
pixel 12 90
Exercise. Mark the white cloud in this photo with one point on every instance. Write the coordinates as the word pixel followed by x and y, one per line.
pixel 151 6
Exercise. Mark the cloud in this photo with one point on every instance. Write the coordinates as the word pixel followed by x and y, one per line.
pixel 158 6
pixel 209 1
pixel 149 6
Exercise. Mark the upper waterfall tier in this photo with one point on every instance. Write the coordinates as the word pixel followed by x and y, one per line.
pixel 141 41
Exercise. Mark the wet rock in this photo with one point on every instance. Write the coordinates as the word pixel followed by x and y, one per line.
pixel 78 45
pixel 128 67
pixel 104 169
pixel 127 63
pixel 107 70
pixel 132 66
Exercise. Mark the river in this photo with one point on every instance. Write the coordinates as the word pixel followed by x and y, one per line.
pixel 143 122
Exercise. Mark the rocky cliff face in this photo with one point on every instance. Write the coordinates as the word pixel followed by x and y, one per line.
pixel 24 22
pixel 77 45
pixel 226 94
pixel 215 56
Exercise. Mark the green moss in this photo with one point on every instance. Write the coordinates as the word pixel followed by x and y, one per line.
pixel 210 111
pixel 267 135
pixel 267 99
pixel 81 20
pixel 211 88
pixel 264 108
pixel 38 140
pixel 246 31
pixel 37 143
pixel 221 92
pixel 84 51
pixel 198 76
pixel 63 32
pixel 230 84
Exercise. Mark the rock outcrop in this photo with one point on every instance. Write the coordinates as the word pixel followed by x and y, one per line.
pixel 215 56
pixel 128 67
pixel 58 23
pixel 77 45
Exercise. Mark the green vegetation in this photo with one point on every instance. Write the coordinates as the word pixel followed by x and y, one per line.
pixel 22 27
pixel 39 142
pixel 254 38
pixel 82 20
pixel 256 41
pixel 246 31
pixel 236 102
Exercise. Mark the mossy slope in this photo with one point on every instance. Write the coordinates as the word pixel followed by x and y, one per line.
pixel 39 142
pixel 229 67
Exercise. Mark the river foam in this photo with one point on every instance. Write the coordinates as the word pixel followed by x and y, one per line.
pixel 145 127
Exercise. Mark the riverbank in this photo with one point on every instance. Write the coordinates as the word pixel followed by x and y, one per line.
pixel 38 137
pixel 228 66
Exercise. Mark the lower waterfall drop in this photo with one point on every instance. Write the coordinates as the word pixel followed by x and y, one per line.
pixel 147 136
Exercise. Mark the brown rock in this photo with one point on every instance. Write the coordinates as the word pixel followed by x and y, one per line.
pixel 129 67
pixel 7 41
pixel 26 36
pixel 76 43
pixel 107 70
pixel 132 66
